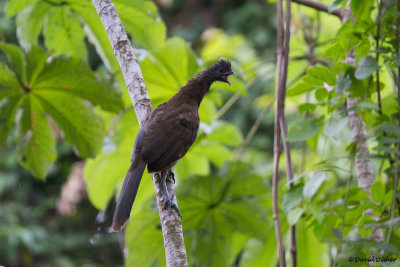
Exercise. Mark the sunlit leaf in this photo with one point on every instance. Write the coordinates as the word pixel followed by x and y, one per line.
pixel 302 130
pixel 64 34
pixel 294 215
pixel 37 145
pixel 377 191
pixel 312 185
pixel 366 67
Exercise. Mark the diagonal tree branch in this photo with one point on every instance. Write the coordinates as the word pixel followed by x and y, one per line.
pixel 320 6
pixel 171 225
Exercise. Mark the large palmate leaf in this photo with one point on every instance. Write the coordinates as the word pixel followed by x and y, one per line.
pixel 71 76
pixel 168 69
pixel 63 32
pixel 36 86
pixel 36 144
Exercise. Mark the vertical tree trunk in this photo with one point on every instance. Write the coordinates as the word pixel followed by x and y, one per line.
pixel 171 225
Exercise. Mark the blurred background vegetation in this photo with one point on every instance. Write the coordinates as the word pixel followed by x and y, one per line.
pixel 67 130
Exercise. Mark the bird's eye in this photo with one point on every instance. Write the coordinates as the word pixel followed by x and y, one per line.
pixel 221 70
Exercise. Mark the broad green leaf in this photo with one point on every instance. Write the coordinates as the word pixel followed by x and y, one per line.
pixel 324 74
pixel 82 128
pixel 366 67
pixel 17 58
pixel 334 128
pixel 362 9
pixel 335 4
pixel 14 6
pixel 292 198
pixel 37 145
pixel 343 84
pixel 142 22
pixel 299 88
pixel 29 23
pixel 168 69
pixel 218 154
pixel 8 108
pixel 302 130
pixel 378 191
pixel 312 185
pixel 72 76
pixel 306 107
pixel 321 94
pixel 294 215
pixel 63 33
pixel 260 253
pixel 192 163
pixel 8 81
pixel 311 251
pixel 207 110
pixel 144 239
pixel 36 61
pixel 225 133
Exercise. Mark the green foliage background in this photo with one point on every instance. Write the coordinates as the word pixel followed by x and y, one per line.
pixel 58 74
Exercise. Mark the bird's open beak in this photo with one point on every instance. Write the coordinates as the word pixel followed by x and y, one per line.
pixel 227 75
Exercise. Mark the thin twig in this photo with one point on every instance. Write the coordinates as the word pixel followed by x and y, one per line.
pixel 277 149
pixel 282 122
pixel 377 39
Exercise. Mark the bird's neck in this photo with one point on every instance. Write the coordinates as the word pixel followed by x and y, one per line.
pixel 196 88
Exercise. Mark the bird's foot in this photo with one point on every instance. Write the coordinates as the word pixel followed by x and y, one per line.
pixel 169 204
pixel 171 175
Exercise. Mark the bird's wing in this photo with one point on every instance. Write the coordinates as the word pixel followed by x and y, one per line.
pixel 168 134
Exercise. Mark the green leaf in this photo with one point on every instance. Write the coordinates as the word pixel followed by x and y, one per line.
pixel 334 128
pixel 302 130
pixel 142 22
pixel 72 76
pixel 362 9
pixel 335 4
pixel 63 33
pixel 312 185
pixel 294 215
pixel 8 108
pixel 145 226
pixel 29 23
pixel 36 61
pixel 14 6
pixel 207 110
pixel 343 84
pixel 366 67
pixel 81 126
pixel 17 58
pixel 292 198
pixel 378 191
pixel 8 81
pixel 37 145
pixel 225 133
pixel 308 245
pixel 192 163
pixel 323 74
pixel 168 69
pixel 306 107
pixel 321 94
pixel 218 154
pixel 299 88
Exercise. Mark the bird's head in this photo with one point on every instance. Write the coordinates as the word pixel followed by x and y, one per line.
pixel 220 71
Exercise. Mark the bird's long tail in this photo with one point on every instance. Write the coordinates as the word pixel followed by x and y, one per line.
pixel 128 194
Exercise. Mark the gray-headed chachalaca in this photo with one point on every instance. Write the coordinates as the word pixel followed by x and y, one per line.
pixel 166 135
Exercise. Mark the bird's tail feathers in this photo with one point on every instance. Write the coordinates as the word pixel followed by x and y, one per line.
pixel 128 194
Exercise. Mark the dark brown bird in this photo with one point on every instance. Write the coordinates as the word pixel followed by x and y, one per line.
pixel 166 135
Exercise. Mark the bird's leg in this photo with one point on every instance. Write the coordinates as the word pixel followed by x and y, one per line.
pixel 168 202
